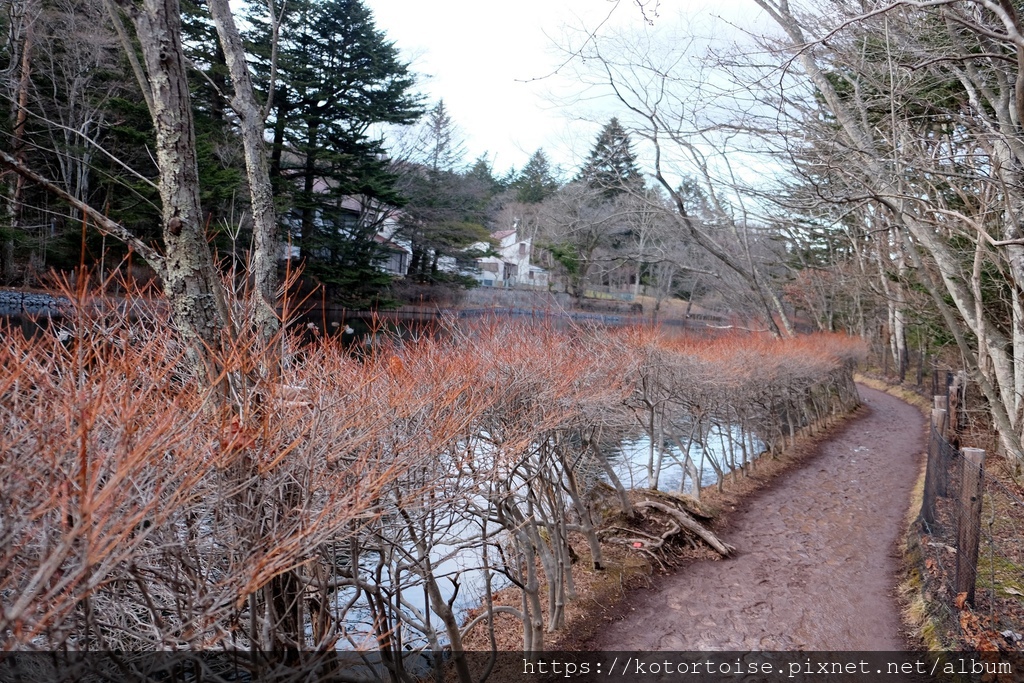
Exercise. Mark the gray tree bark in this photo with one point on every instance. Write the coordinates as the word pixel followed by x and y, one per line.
pixel 191 281
pixel 263 266
pixel 24 20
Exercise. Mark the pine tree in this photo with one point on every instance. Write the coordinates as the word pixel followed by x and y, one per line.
pixel 337 76
pixel 218 145
pixel 611 166
pixel 482 171
pixel 444 205
pixel 536 182
pixel 440 146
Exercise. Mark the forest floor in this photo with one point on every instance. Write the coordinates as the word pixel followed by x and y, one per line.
pixel 818 534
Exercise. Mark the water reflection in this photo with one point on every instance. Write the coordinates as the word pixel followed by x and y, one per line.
pixel 721 449
pixel 458 555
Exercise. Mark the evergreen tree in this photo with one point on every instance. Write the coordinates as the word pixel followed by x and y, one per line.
pixel 535 182
pixel 337 76
pixel 611 166
pixel 440 146
pixel 218 145
pixel 482 172
pixel 444 205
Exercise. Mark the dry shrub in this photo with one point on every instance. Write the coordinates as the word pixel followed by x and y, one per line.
pixel 140 510
pixel 143 511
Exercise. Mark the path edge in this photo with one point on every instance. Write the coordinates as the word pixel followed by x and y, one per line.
pixel 921 615
pixel 579 636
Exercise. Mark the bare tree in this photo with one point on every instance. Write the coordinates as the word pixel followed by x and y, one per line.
pixel 20 37
pixel 659 86
pixel 926 129
pixel 580 224
pixel 251 116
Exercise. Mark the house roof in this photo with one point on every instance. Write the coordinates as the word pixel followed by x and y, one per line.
pixel 388 244
pixel 502 234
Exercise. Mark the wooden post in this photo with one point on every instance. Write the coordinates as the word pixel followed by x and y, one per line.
pixel 933 468
pixel 953 397
pixel 885 357
pixel 942 471
pixel 928 501
pixel 970 522
pixel 941 402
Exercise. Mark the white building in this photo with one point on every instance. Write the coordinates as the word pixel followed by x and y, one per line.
pixel 397 262
pixel 352 215
pixel 511 267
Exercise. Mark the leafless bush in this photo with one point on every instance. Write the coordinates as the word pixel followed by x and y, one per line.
pixel 337 502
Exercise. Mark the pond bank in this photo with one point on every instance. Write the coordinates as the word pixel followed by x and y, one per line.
pixel 631 585
pixel 817 558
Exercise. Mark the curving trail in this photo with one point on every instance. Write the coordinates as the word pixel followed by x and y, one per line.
pixel 816 554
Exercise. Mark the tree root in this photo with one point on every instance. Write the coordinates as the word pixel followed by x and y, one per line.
pixel 675 521
pixel 691 525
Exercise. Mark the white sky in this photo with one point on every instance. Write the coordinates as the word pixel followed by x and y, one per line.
pixel 491 61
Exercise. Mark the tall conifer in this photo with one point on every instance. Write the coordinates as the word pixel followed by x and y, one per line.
pixel 611 166
pixel 337 76
pixel 536 182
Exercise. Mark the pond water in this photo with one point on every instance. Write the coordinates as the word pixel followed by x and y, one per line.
pixel 632 459
pixel 455 562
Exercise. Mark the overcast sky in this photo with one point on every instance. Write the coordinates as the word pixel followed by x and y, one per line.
pixel 492 63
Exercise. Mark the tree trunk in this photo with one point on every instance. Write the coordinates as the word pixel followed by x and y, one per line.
pixel 191 281
pixel 7 269
pixel 308 184
pixel 684 520
pixel 280 122
pixel 263 264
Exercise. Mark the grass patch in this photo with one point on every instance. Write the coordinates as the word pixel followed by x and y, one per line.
pixel 923 615
pixel 1001 574
pixel 906 395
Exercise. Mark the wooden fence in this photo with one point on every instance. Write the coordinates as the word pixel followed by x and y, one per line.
pixel 973 526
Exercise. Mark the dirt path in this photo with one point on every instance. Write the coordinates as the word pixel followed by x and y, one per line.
pixel 816 555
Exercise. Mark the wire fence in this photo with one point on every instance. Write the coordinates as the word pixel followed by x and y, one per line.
pixel 974 544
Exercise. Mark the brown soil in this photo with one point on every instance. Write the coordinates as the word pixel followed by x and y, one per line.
pixel 929 584
pixel 817 557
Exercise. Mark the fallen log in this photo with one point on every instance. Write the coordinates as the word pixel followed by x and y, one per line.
pixel 681 500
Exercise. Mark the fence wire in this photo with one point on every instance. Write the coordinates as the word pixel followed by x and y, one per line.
pixel 999 577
